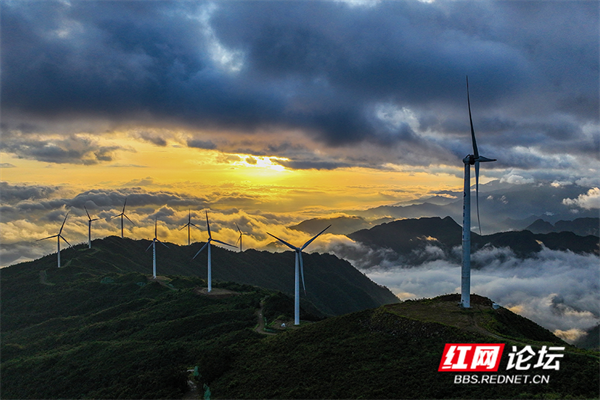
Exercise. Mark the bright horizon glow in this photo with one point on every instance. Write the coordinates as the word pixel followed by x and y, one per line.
pixel 202 172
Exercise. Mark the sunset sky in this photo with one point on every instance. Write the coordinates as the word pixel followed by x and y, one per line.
pixel 268 113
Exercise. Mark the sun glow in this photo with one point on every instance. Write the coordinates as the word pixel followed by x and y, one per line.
pixel 267 163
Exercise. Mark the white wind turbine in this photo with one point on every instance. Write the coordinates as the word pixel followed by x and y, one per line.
pixel 58 237
pixel 189 225
pixel 240 238
pixel 471 159
pixel 153 245
pixel 298 271
pixel 90 220
pixel 210 239
pixel 123 215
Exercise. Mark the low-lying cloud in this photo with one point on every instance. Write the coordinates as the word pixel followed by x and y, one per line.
pixel 558 290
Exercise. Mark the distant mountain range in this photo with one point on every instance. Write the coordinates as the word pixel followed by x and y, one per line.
pixel 503 207
pixel 339 225
pixel 426 239
pixel 579 226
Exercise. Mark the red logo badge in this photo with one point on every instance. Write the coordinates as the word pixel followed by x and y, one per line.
pixel 461 357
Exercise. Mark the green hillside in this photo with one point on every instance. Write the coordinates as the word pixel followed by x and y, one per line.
pixel 333 285
pixel 97 328
pixel 84 333
pixel 394 352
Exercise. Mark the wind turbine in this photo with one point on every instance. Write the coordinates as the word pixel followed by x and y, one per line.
pixel 240 238
pixel 210 239
pixel 471 159
pixel 298 271
pixel 58 237
pixel 189 225
pixel 90 227
pixel 153 245
pixel 123 215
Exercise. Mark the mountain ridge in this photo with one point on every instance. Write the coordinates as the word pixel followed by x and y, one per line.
pixel 333 285
pixel 94 332
pixel 424 239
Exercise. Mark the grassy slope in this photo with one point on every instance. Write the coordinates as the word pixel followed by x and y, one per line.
pixel 332 285
pixel 76 337
pixel 394 352
pixel 66 334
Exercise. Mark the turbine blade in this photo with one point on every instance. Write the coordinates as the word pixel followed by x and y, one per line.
pixel 151 243
pixel 183 227
pixel 475 152
pixel 477 192
pixel 302 270
pixel 95 219
pixel 63 224
pixel 200 251
pixel 284 242
pixel 60 236
pixel 162 243
pixel 124 204
pixel 218 241
pixel 236 225
pixel 49 237
pixel 88 214
pixel 128 219
pixel 155 228
pixel 208 225
pixel 310 241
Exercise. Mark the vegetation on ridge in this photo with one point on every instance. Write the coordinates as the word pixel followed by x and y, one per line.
pixel 100 331
pixel 394 352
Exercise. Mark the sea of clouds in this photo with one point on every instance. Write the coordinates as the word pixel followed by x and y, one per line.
pixel 558 290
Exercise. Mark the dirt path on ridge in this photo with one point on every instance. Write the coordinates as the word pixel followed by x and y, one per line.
pixel 261 322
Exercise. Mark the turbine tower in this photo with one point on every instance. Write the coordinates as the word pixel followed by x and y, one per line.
pixel 123 215
pixel 240 238
pixel 210 239
pixel 90 220
pixel 58 237
pixel 471 159
pixel 189 225
pixel 153 245
pixel 298 271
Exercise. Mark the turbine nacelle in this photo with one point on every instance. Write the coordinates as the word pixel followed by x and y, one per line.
pixel 123 215
pixel 59 236
pixel 299 269
pixel 472 159
pixel 189 225
pixel 210 239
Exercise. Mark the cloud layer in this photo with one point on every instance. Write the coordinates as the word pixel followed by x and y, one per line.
pixel 558 290
pixel 390 74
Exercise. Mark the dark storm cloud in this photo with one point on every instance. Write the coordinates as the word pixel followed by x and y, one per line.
pixel 201 144
pixel 18 200
pixel 15 193
pixel 307 164
pixel 71 150
pixel 149 137
pixel 135 197
pixel 323 68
